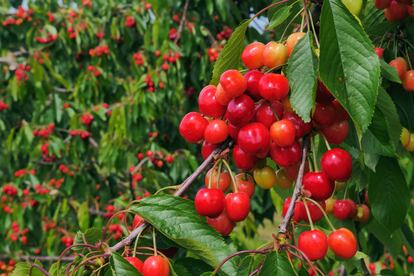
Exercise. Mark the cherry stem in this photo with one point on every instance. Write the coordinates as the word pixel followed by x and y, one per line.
pixel 315 163
pixel 173 187
pixel 269 7
pixel 314 30
pixel 231 175
pixel 326 142
pixel 323 212
pixel 136 242
pixel 290 22
pixel 308 214
pixel 219 170
pixel 154 242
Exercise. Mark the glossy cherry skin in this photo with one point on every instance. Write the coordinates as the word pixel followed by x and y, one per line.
pixel 240 110
pixel 324 115
pixel 245 183
pixel 400 64
pixel 315 212
pixel 286 156
pixel 292 40
pixel 135 262
pixel 283 133
pixel 274 54
pixel 408 82
pixel 323 95
pixel 298 211
pixel 344 209
pixel 343 243
pixel 382 4
pixel 253 77
pixel 233 83
pixel 252 55
pixel 233 132
pixel 222 97
pixel 222 224
pixel 156 266
pixel 192 127
pixel 265 177
pixel 302 128
pixel 265 115
pixel 337 164
pixel 208 104
pixel 237 206
pixel 253 138
pixel 216 132
pixel 318 184
pixel 273 86
pixel 209 202
pixel 397 11
pixel 217 180
pixel 336 133
pixel 207 149
pixel 314 244
pixel 243 160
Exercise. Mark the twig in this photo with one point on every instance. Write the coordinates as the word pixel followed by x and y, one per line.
pixel 39 258
pixel 93 142
pixel 44 271
pixel 183 19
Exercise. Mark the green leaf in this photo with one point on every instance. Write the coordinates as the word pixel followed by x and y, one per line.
pixel 24 269
pixel 276 264
pixel 388 194
pixel 389 72
pixel 190 266
pixel 302 75
pixel 83 216
pixel 348 64
pixel 229 57
pixel 279 16
pixel 177 219
pixel 122 267
pixel 92 236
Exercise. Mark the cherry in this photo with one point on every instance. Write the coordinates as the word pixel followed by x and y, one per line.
pixel 344 209
pixel 336 133
pixel 216 132
pixel 286 156
pixel 222 223
pixel 252 55
pixel 137 221
pixel 207 149
pixel 363 213
pixel 343 243
pixel 233 132
pixel 192 127
pixel 283 133
pixel 217 180
pixel 245 183
pixel 243 160
pixel 397 11
pixel 265 177
pixel 408 81
pixel 302 128
pixel 341 113
pixel 410 11
pixel 233 83
pixel 156 266
pixel 329 205
pixel 380 52
pixel 240 110
pixel 253 138
pixel 323 95
pixel 298 211
pixel 314 244
pixel 274 54
pixel 400 64
pixel 237 206
pixel 282 179
pixel 292 171
pixel 337 164
pixel 382 4
pixel 208 104
pixel 318 184
pixel 324 115
pixel 135 262
pixel 221 96
pixel 209 202
pixel 253 77
pixel 292 40
pixel 273 86
pixel 315 212
pixel 265 115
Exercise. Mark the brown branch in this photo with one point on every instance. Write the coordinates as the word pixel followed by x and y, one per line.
pixel 39 258
pixel 183 19
pixel 44 271
pixel 93 142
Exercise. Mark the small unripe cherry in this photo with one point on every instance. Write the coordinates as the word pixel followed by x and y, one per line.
pixel 292 40
pixel 329 204
pixel 363 213
pixel 265 177
pixel 252 55
pixel 282 180
pixel 274 54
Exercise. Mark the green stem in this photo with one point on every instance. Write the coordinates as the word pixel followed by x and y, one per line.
pixel 231 175
pixel 315 163
pixel 136 242
pixel 323 212
pixel 290 22
pixel 308 214
pixel 154 241
pixel 314 31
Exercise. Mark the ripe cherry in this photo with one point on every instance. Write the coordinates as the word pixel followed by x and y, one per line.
pixel 265 115
pixel 252 55
pixel 302 128
pixel 233 83
pixel 137 221
pixel 237 206
pixel 318 184
pixel 207 102
pixel 192 127
pixel 337 164
pixel 382 4
pixel 209 202
pixel 217 180
pixel 216 132
pixel 314 244
pixel 344 209
pixel 343 243
pixel 323 95
pixel 222 224
pixel 286 156
pixel 135 262
pixel 396 10
pixel 400 64
pixel 243 160
pixel 341 113
pixel 380 52
pixel 337 132
pixel 408 81
pixel 324 115
pixel 315 212
pixel 273 86
pixel 222 97
pixel 274 54
pixel 265 177
pixel 207 149
pixel 283 133
pixel 253 138
pixel 240 110
pixel 233 132
pixel 298 211
pixel 245 183
pixel 156 266
pixel 253 77
pixel 282 180
pixel 292 40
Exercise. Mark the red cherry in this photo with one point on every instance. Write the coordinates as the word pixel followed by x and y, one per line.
pixel 216 132
pixel 400 64
pixel 408 81
pixel 233 132
pixel 302 128
pixel 344 209
pixel 253 138
pixel 324 115
pixel 363 213
pixel 156 266
pixel 382 4
pixel 233 83
pixel 314 244
pixel 240 110
pixel 243 160
pixel 222 97
pixel 137 221
pixel 217 180
pixel 265 115
pixel 343 243
pixel 209 202
pixel 135 262
pixel 207 102
pixel 336 133
pixel 397 11
pixel 222 224
pixel 253 77
pixel 337 164
pixel 315 212
pixel 410 11
pixel 318 184
pixel 283 133
pixel 237 206
pixel 252 55
pixel 323 95
pixel 192 127
pixel 286 156
pixel 207 149
pixel 245 184
pixel 273 86
pixel 341 113
pixel 292 171
pixel 379 51
pixel 298 211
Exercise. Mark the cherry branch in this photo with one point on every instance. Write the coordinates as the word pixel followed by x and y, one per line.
pixel 183 19
pixel 39 258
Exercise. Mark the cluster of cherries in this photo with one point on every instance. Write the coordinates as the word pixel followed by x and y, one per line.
pixel 395 10
pixel 405 75
pixel 153 265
